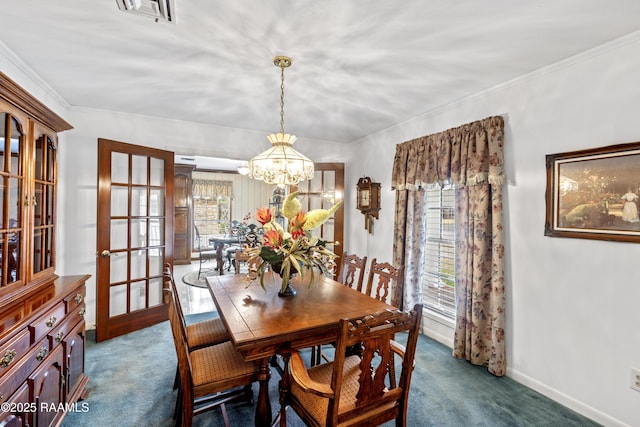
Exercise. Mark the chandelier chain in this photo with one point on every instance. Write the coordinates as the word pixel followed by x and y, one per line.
pixel 282 98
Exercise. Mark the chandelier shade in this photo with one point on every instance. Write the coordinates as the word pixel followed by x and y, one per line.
pixel 281 164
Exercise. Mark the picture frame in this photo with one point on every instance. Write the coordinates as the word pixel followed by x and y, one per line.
pixel 594 193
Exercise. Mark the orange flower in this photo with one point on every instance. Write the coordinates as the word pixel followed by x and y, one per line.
pixel 272 238
pixel 263 215
pixel 297 223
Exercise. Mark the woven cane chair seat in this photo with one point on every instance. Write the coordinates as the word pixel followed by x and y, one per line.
pixel 206 333
pixel 218 367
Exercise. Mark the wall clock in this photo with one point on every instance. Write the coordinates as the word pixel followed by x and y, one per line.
pixel 368 200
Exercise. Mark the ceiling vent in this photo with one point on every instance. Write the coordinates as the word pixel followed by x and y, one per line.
pixel 160 10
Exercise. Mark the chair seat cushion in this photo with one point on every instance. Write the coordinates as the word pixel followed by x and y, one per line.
pixel 206 333
pixel 220 367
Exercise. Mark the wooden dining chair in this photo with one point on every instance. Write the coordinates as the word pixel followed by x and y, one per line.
pixel 352 275
pixel 352 271
pixel 385 282
pixel 199 334
pixel 355 390
pixel 209 376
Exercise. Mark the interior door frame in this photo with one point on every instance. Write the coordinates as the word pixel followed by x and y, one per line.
pixel 107 326
pixel 338 236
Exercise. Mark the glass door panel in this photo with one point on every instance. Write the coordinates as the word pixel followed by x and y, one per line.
pixel 12 152
pixel 43 203
pixel 323 191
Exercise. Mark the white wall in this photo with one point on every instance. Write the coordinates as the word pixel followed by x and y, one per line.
pixel 573 305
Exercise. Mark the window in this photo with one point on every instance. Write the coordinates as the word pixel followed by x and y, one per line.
pixel 439 279
pixel 211 216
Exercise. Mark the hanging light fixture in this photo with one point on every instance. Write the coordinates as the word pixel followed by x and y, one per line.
pixel 281 164
pixel 243 169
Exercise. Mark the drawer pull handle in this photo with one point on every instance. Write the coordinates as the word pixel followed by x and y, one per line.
pixel 59 336
pixel 9 355
pixel 78 298
pixel 52 321
pixel 42 353
pixel 81 312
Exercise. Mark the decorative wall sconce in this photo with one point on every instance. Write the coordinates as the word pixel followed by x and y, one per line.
pixel 368 201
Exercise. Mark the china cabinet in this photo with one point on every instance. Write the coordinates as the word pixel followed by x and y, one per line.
pixel 42 327
pixel 183 239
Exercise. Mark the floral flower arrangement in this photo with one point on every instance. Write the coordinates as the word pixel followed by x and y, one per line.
pixel 295 249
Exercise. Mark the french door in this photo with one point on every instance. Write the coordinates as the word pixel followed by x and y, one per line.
pixel 323 191
pixel 135 236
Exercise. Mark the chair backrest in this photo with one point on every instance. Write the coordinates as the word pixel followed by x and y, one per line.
pixel 375 336
pixel 179 332
pixel 352 271
pixel 197 237
pixel 170 281
pixel 379 283
pixel 251 238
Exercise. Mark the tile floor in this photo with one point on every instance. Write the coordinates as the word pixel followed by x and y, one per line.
pixel 193 299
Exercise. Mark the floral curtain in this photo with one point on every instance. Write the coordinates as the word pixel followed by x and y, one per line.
pixel 211 189
pixel 471 158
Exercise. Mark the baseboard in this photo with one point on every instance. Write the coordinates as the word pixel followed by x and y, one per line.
pixel 438 327
pixel 565 400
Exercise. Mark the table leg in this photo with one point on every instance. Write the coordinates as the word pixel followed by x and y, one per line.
pixel 219 259
pixel 263 408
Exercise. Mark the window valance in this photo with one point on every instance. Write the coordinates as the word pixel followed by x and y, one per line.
pixel 211 189
pixel 466 155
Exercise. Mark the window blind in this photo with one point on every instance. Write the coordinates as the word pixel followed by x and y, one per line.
pixel 438 284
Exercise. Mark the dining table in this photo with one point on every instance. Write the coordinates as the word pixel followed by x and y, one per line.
pixel 261 323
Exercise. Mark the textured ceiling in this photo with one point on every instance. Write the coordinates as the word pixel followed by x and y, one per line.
pixel 358 66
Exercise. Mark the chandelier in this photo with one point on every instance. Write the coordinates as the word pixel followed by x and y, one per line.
pixel 281 164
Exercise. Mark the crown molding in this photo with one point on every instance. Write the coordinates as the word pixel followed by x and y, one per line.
pixel 32 76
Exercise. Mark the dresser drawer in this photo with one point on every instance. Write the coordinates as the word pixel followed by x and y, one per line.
pixel 76 299
pixel 23 368
pixel 47 322
pixel 12 350
pixel 58 333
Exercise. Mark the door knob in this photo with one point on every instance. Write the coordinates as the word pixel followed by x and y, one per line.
pixel 105 254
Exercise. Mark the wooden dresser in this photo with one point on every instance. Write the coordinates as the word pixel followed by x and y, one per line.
pixel 42 354
pixel 42 327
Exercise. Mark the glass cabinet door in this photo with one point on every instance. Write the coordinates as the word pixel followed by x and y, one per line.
pixel 43 203
pixel 12 147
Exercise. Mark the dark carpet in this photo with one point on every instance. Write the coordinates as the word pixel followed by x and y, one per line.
pixel 131 377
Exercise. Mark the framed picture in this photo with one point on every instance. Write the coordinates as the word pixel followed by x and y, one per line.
pixel 594 194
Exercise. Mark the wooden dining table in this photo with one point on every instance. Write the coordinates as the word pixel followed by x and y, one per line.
pixel 261 323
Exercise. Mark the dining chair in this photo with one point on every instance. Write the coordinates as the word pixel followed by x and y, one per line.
pixel 352 271
pixel 251 241
pixel 352 275
pixel 205 253
pixel 357 389
pixel 385 279
pixel 236 232
pixel 209 376
pixel 199 334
